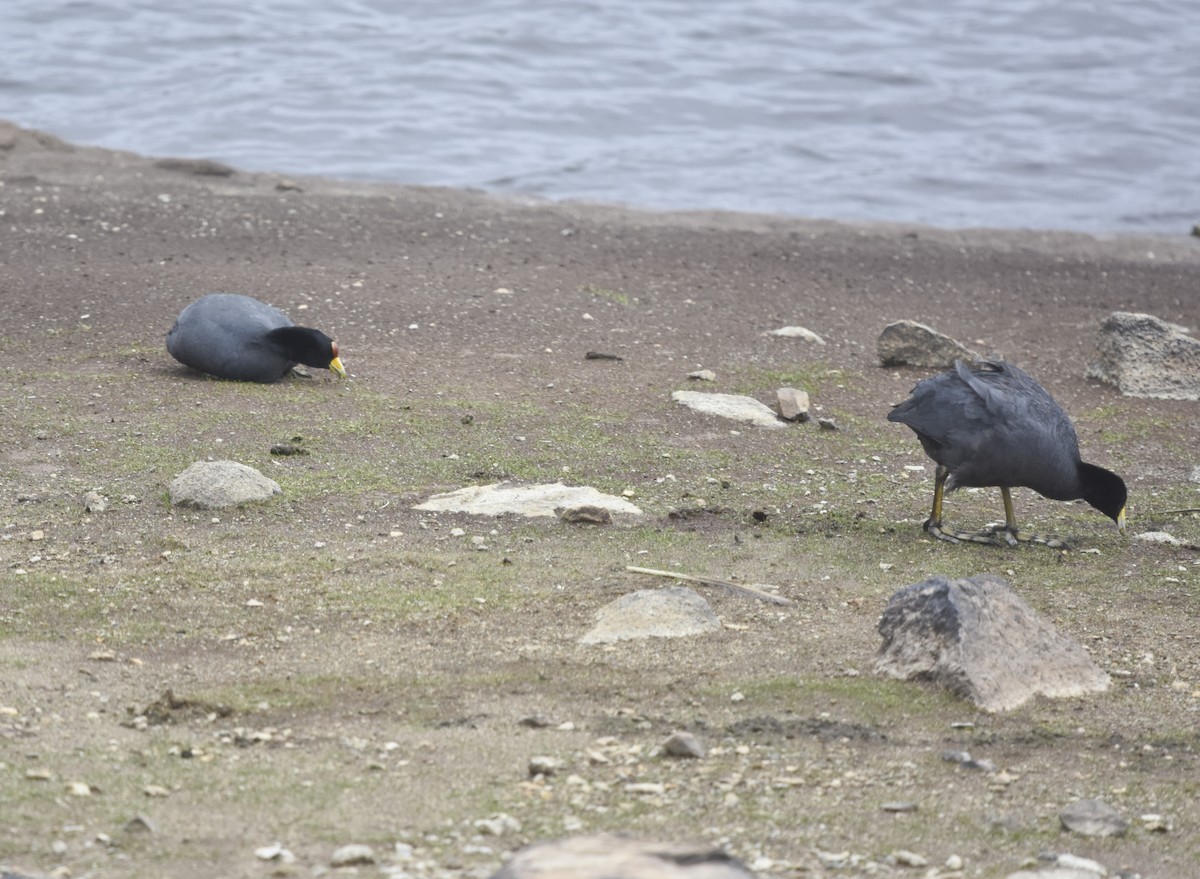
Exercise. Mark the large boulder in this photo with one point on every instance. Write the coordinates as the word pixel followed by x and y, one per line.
pixel 977 638
pixel 1147 357
pixel 608 856
pixel 212 485
pixel 908 343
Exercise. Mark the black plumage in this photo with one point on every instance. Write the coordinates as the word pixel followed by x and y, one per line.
pixel 231 336
pixel 991 424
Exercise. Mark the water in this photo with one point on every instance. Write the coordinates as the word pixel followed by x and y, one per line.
pixel 1023 113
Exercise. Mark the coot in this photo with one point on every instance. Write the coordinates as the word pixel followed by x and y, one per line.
pixel 991 424
pixel 231 336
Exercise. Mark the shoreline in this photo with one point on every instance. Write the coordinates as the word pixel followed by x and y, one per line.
pixel 26 152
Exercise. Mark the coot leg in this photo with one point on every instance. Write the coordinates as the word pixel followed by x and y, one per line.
pixel 934 523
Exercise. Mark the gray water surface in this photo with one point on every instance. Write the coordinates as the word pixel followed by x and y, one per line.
pixel 1058 114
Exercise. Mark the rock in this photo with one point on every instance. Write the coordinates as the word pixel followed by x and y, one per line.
pixel 1093 818
pixel 352 855
pixel 585 515
pixel 732 406
pixel 606 856
pixel 1147 357
pixel 94 502
pixel 793 404
pixel 524 500
pixel 1195 477
pixel 683 744
pixel 908 343
pixel 274 852
pixel 546 766
pixel 1055 872
pixel 802 333
pixel 910 859
pixel 977 638
pixel 703 375
pixel 499 824
pixel 212 485
pixel 827 424
pixel 140 824
pixel 1158 537
pixel 898 806
pixel 672 612
pixel 1074 862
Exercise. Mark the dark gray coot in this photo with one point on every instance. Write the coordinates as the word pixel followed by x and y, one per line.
pixel 236 337
pixel 991 424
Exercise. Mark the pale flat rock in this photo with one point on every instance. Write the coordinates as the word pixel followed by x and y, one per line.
pixel 908 343
pixel 525 500
pixel 1147 357
pixel 607 856
pixel 976 637
pixel 1056 872
pixel 672 612
pixel 1093 818
pixel 213 485
pixel 802 333
pixel 732 406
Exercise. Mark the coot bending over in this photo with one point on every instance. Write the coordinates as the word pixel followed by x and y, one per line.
pixel 236 337
pixel 991 424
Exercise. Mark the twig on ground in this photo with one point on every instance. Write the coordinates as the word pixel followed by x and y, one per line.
pixel 738 588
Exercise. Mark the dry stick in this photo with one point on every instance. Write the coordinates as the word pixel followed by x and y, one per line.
pixel 738 588
pixel 1174 512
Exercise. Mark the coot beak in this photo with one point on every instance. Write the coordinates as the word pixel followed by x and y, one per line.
pixel 336 365
pixel 1121 520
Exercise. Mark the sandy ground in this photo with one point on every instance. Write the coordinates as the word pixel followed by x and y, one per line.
pixel 349 670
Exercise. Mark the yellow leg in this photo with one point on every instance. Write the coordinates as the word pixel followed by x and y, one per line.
pixel 991 536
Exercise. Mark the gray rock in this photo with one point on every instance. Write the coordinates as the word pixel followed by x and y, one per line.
pixel 585 515
pixel 1147 357
pixel 1093 818
pixel 683 744
pixel 703 375
pixel 732 406
pixel 606 856
pixel 212 485
pixel 908 343
pixel 94 502
pixel 977 638
pixel 1195 477
pixel 140 824
pixel 524 500
pixel 673 612
pixel 793 404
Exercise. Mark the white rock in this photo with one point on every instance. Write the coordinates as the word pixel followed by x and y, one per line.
pixel 1158 537
pixel 673 612
pixel 524 500
pixel 350 855
pixel 275 852
pixel 803 333
pixel 732 406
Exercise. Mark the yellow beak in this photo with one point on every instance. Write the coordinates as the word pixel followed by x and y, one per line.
pixel 1121 520
pixel 336 365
